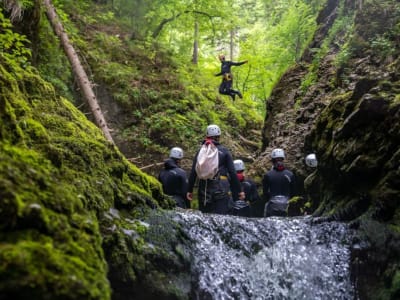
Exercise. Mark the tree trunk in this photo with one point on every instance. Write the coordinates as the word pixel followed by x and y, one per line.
pixel 82 79
pixel 195 57
pixel 231 45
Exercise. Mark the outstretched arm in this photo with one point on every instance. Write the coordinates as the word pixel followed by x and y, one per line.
pixel 239 63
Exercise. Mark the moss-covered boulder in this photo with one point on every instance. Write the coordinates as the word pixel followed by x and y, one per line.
pixel 58 178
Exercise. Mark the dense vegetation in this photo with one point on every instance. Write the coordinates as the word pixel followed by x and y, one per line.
pixel 71 201
pixel 154 93
pixel 61 181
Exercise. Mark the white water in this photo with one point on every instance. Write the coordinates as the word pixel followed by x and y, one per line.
pixel 269 258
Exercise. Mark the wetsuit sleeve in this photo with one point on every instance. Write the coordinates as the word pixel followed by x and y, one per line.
pixel 293 186
pixel 238 63
pixel 234 181
pixel 184 184
pixel 266 184
pixel 192 175
pixel 254 193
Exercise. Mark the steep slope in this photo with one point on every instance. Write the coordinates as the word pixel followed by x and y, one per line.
pixel 70 203
pixel 151 99
pixel 342 102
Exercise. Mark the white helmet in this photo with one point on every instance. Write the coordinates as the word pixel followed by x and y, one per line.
pixel 176 153
pixel 278 153
pixel 239 165
pixel 311 160
pixel 213 130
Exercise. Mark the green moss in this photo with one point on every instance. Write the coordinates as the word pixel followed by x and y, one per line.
pixel 395 287
pixel 58 175
pixel 38 269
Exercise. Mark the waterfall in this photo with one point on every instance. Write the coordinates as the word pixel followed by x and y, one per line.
pixel 267 258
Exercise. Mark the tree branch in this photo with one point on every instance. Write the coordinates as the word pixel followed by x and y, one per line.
pixel 160 27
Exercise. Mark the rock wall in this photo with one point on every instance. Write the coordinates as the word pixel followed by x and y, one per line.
pixel 349 116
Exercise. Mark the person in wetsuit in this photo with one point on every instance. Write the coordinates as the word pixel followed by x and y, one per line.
pixel 214 195
pixel 173 178
pixel 249 187
pixel 278 186
pixel 225 88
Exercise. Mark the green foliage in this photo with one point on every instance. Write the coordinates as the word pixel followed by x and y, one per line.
pixel 13 46
pixel 308 80
pixel 167 100
pixel 383 46
pixel 395 286
pixel 276 42
pixel 343 24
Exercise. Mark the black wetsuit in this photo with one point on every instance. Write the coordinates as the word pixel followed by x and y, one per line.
pixel 214 194
pixel 174 182
pixel 225 88
pixel 243 207
pixel 279 183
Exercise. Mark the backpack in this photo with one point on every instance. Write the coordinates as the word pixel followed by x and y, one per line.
pixel 207 161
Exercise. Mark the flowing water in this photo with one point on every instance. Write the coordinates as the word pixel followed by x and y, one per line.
pixel 267 258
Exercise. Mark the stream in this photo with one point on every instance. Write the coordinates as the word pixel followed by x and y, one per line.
pixel 267 258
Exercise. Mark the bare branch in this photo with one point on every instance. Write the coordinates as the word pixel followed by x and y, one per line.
pixel 160 27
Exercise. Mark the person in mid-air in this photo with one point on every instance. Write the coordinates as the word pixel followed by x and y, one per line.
pixel 225 88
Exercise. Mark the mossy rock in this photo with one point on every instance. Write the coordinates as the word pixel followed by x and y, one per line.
pixel 58 174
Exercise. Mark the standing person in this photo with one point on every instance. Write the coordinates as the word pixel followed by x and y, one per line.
pixel 225 88
pixel 278 186
pixel 242 207
pixel 173 178
pixel 214 194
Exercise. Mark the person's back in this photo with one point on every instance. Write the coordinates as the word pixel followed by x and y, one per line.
pixel 280 182
pixel 214 194
pixel 278 186
pixel 173 178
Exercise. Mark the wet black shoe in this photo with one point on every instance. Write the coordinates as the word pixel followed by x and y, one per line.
pixel 240 95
